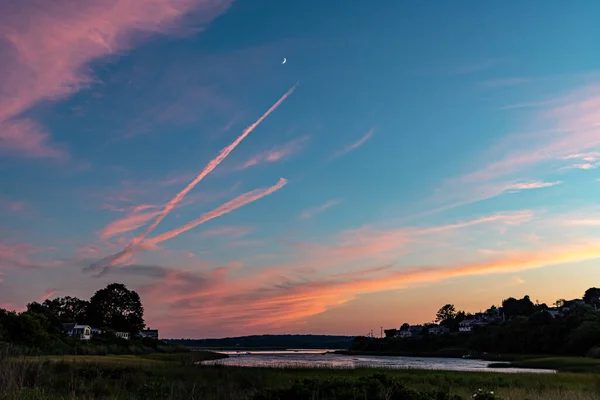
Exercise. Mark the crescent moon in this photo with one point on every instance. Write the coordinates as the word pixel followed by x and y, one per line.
pixel 284 60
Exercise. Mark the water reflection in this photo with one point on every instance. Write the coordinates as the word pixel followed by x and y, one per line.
pixel 319 358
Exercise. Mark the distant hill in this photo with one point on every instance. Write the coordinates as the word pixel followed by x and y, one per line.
pixel 271 342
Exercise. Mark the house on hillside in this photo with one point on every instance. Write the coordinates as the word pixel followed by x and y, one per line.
pixel 573 303
pixel 469 324
pixel 96 331
pixel 412 331
pixel 553 311
pixel 151 333
pixel 122 335
pixel 438 330
pixel 81 332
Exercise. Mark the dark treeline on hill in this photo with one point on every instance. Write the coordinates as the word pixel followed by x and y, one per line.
pixel 520 326
pixel 271 341
pixel 64 325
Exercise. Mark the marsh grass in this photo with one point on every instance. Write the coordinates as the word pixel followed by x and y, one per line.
pixel 176 377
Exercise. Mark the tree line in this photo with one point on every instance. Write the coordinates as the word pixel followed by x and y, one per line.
pixel 523 327
pixel 112 309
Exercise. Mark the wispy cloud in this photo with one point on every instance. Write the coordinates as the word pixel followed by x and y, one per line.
pixel 151 243
pixel 228 207
pixel 229 231
pixel 277 153
pixel 571 125
pixel 311 212
pixel 517 280
pixel 210 167
pixel 130 222
pixel 47 47
pixel 531 185
pixel 477 66
pixel 503 82
pixel 583 166
pixel 355 145
pixel 11 205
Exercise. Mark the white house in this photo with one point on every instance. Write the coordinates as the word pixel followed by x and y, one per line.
pixel 81 332
pixel 151 333
pixel 469 324
pixel 122 335
pixel 438 330
pixel 404 334
pixel 413 330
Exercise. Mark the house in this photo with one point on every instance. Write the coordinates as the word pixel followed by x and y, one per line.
pixel 553 311
pixel 413 330
pixel 96 331
pixel 404 334
pixel 74 330
pixel 469 324
pixel 573 303
pixel 151 333
pixel 438 330
pixel 122 335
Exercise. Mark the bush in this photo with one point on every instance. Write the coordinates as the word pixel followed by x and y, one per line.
pixel 376 387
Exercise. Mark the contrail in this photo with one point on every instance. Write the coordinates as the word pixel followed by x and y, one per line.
pixel 209 168
pixel 228 207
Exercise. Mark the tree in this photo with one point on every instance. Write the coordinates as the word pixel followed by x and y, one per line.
pixel 404 327
pixel 592 296
pixel 118 308
pixel 560 303
pixel 445 313
pixel 68 309
pixel 513 307
pixel 390 332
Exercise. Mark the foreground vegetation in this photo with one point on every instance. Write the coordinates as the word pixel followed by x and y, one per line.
pixel 176 376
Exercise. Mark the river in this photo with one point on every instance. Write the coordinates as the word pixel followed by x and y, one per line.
pixel 321 359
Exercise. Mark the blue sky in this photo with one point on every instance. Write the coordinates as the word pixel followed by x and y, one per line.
pixel 429 149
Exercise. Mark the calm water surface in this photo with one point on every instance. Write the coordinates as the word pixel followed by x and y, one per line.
pixel 317 358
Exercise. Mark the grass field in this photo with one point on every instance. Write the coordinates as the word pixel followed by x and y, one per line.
pixel 563 364
pixel 175 376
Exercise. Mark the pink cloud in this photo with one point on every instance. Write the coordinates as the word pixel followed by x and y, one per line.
pixel 355 145
pixel 47 46
pixel 226 208
pixel 277 153
pixel 211 166
pixel 22 256
pixel 128 223
pixel 26 138
pixel 532 185
pixel 47 295
pixel 311 212
pixel 229 231
pixel 12 205
pixel 588 157
pixel 583 166
pixel 152 243
pixel 571 126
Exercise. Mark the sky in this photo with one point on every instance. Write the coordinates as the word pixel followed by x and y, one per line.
pixel 407 155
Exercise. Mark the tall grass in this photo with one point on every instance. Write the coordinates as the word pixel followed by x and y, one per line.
pixel 26 376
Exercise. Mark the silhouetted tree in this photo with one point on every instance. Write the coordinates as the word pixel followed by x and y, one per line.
pixel 118 308
pixel 404 327
pixel 445 313
pixel 592 296
pixel 513 307
pixel 68 309
pixel 390 332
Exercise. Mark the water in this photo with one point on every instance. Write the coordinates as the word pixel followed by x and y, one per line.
pixel 317 358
